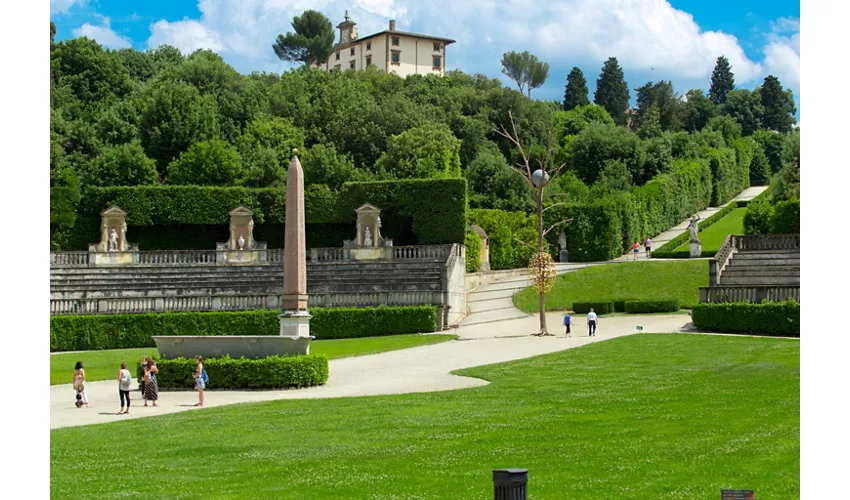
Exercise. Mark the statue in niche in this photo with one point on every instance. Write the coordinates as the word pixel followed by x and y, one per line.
pixel 113 240
pixel 367 238
pixel 694 228
pixel 241 242
pixel 562 241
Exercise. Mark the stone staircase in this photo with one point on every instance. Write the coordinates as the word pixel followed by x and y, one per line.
pixel 762 267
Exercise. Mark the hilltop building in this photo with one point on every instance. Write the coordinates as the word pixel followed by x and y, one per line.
pixel 393 51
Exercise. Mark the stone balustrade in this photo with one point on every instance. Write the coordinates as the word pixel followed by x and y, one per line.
pixel 69 259
pixel 422 252
pixel 754 294
pixel 768 242
pixel 177 257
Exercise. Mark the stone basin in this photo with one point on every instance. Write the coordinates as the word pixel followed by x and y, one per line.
pixel 237 346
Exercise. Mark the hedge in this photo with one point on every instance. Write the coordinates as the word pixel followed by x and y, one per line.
pixel 503 228
pixel 414 211
pixel 773 318
pixel 473 252
pixel 124 331
pixel 598 307
pixel 786 217
pixel 273 372
pixel 651 306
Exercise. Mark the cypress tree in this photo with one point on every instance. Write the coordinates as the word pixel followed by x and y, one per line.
pixel 722 81
pixel 778 106
pixel 612 92
pixel 575 92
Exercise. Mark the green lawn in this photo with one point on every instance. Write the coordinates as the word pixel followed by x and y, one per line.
pixel 712 238
pixel 622 281
pixel 104 365
pixel 674 416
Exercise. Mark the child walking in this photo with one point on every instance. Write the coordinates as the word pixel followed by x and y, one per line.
pixel 124 379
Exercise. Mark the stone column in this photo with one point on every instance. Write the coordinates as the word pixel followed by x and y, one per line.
pixel 294 318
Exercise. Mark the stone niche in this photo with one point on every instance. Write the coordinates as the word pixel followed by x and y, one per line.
pixel 368 244
pixel 241 248
pixel 484 257
pixel 113 248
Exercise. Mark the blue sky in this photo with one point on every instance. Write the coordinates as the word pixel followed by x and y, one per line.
pixel 653 39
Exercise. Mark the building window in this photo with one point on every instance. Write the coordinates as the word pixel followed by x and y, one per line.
pixel 437 61
pixel 369 46
pixel 337 56
pixel 368 60
pixel 352 51
pixel 436 47
pixel 351 65
pixel 396 57
pixel 395 41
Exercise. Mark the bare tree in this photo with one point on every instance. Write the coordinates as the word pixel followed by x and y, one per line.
pixel 541 263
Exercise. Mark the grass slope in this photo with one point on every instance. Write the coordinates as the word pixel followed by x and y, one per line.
pixel 103 365
pixel 712 237
pixel 622 281
pixel 645 416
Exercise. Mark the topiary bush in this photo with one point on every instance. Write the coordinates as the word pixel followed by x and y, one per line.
pixel 758 218
pixel 598 307
pixel 772 318
pixel 473 252
pixel 651 306
pixel 125 331
pixel 273 372
pixel 786 217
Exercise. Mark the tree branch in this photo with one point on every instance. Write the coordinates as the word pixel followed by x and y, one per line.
pixel 524 243
pixel 555 205
pixel 553 226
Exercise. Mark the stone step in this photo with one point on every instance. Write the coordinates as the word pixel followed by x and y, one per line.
pixel 483 296
pixel 492 316
pixel 759 280
pixel 765 269
pixel 344 277
pixel 734 261
pixel 766 254
pixel 490 305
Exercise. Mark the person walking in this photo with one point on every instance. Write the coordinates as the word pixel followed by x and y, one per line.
pixel 124 379
pixel 151 390
pixel 144 378
pixel 200 385
pixel 591 323
pixel 567 321
pixel 636 248
pixel 80 385
pixel 647 245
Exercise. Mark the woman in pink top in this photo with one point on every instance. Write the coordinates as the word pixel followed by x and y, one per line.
pixel 636 248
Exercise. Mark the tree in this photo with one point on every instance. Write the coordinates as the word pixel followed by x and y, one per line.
pixel 123 165
pixel 52 31
pixel 575 92
pixel 788 178
pixel 206 163
pixel 664 99
pixel 574 121
pixel 727 126
pixel 772 142
pixel 493 184
pixel 722 81
pixel 697 110
pixel 272 132
pixel 649 124
pixel 311 43
pixel 91 73
pixel 598 143
pixel 427 151
pixel 612 92
pixel 175 116
pixel 525 69
pixel 759 167
pixel 745 107
pixel 323 165
pixel 778 104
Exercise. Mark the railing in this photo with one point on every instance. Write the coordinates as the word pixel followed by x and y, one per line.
pixel 748 293
pixel 274 256
pixel 422 252
pixel 117 305
pixel 69 259
pixel 326 254
pixel 768 242
pixel 720 259
pixel 177 257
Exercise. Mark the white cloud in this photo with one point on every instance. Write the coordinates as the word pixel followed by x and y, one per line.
pixel 103 34
pixel 782 53
pixel 62 6
pixel 186 35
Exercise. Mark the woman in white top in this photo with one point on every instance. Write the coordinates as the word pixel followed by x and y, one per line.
pixel 124 380
pixel 80 384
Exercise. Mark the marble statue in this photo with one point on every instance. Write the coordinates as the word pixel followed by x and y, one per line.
pixel 562 241
pixel 241 242
pixel 113 240
pixel 367 238
pixel 694 228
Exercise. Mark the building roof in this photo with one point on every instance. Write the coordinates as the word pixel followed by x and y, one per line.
pixel 341 46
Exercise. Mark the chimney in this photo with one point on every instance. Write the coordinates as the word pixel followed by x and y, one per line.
pixel 392 24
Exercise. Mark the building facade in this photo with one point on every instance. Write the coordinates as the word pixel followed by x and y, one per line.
pixel 393 51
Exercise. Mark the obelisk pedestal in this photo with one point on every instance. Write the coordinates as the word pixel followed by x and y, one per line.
pixel 294 318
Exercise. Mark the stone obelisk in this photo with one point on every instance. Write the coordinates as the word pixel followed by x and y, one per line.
pixel 294 318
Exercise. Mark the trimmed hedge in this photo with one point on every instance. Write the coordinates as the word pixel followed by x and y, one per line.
pixel 273 372
pixel 413 211
pixel 503 228
pixel 598 307
pixel 772 318
pixel 473 252
pixel 786 217
pixel 124 331
pixel 651 306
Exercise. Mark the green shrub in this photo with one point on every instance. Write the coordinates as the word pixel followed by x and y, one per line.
pixel 125 331
pixel 620 305
pixel 503 230
pixel 652 306
pixel 273 372
pixel 598 307
pixel 758 218
pixel 786 217
pixel 473 252
pixel 776 318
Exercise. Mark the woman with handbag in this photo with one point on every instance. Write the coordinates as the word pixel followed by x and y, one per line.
pixel 151 390
pixel 80 385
